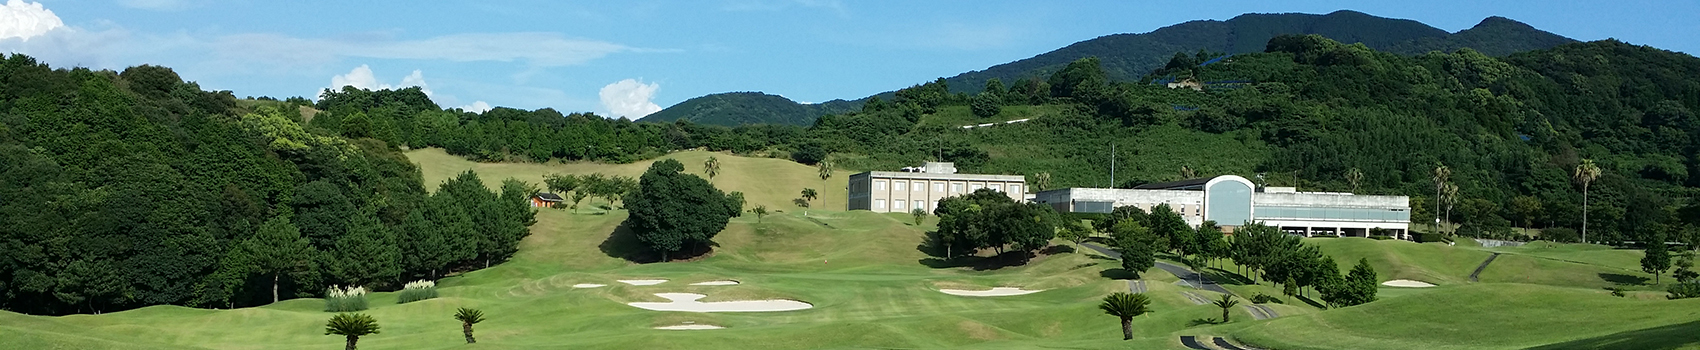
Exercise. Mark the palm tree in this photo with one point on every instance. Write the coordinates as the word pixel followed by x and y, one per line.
pixel 1441 173
pixel 711 167
pixel 352 326
pixel 1586 173
pixel 468 317
pixel 1041 182
pixel 809 194
pixel 825 171
pixel 1226 302
pixel 1354 177
pixel 1126 306
pixel 1451 196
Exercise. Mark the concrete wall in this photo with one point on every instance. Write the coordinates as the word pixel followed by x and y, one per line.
pixel 888 192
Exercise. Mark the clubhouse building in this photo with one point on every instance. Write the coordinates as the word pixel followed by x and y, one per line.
pixel 1232 201
pixel 922 187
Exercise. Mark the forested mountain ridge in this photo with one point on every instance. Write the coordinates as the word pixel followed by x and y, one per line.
pixel 1131 56
pixel 743 108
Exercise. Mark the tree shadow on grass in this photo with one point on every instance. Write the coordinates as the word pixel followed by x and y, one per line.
pixel 1225 277
pixel 1202 321
pixel 624 244
pixel 980 263
pixel 1310 301
pixel 1622 279
pixel 1656 338
pixel 1117 274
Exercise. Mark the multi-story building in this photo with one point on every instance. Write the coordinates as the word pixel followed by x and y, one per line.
pixel 1232 201
pixel 922 187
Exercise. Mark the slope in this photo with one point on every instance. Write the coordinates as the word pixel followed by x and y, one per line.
pixel 745 108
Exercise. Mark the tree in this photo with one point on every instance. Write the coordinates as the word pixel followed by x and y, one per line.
pixel 1041 182
pixel 1585 173
pixel 711 167
pixel 1441 174
pixel 1449 194
pixel 1225 303
pixel 1137 257
pixel 1685 268
pixel 467 318
pixel 824 169
pixel 278 248
pixel 809 194
pixel 919 214
pixel 1527 208
pixel 1657 258
pixel 985 105
pixel 1354 177
pixel 1126 306
pixel 673 210
pixel 1360 284
pixel 561 184
pixel 760 211
pixel 352 326
pixel 1171 227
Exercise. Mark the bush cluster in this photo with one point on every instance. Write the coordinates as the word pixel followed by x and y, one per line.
pixel 416 291
pixel 345 299
pixel 1261 298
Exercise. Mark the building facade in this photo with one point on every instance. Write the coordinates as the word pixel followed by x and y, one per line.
pixel 1232 201
pixel 923 187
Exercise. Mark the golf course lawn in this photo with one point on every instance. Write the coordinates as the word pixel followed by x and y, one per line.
pixel 870 287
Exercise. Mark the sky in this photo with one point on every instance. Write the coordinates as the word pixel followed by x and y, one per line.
pixel 634 57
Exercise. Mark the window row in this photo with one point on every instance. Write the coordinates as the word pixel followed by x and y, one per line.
pixel 938 186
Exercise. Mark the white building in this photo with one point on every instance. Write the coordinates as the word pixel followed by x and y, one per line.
pixel 922 187
pixel 1232 201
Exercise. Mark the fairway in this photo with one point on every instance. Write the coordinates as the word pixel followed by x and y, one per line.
pixel 866 285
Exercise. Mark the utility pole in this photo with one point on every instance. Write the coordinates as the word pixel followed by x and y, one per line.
pixel 1112 165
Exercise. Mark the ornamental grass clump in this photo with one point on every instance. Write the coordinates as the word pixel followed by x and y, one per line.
pixel 345 299
pixel 416 291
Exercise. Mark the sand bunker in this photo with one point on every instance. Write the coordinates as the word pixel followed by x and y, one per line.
pixel 995 292
pixel 690 327
pixel 716 283
pixel 687 302
pixel 1407 284
pixel 643 282
pixel 588 285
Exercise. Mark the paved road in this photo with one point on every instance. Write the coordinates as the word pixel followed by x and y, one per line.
pixel 1483 267
pixel 1191 342
pixel 1223 343
pixel 1195 298
pixel 1136 286
pixel 1188 277
pixel 1261 312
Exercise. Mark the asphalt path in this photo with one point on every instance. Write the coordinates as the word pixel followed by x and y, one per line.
pixel 1188 277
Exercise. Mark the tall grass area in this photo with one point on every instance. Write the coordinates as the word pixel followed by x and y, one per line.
pixel 345 299
pixel 416 291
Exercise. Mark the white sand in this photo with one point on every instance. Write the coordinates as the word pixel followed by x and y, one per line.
pixel 690 327
pixel 642 282
pixel 588 285
pixel 1407 284
pixel 995 292
pixel 716 283
pixel 687 302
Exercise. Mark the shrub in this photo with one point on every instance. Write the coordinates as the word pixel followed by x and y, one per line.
pixel 1261 298
pixel 416 291
pixel 345 299
pixel 1684 290
pixel 1380 238
pixel 1560 234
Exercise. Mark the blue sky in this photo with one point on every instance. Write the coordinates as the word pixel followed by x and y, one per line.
pixel 633 57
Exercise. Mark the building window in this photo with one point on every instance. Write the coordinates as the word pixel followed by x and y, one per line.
pixel 900 185
pixel 975 187
pixel 997 187
pixel 879 204
pixel 956 187
pixel 938 187
pixel 1014 188
pixel 897 204
pixel 921 205
pixel 879 185
pixel 920 186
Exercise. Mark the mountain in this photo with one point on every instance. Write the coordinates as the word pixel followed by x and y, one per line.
pixel 1130 56
pixel 741 108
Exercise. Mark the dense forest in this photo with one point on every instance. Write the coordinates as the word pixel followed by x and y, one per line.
pixel 135 188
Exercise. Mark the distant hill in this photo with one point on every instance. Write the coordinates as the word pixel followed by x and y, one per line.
pixel 1130 56
pixel 740 108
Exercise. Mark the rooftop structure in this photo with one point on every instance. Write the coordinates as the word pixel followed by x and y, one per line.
pixel 1232 201
pixel 922 187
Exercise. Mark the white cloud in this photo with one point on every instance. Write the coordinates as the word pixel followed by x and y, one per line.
pixel 476 107
pixel 629 98
pixel 363 78
pixel 536 49
pixel 19 19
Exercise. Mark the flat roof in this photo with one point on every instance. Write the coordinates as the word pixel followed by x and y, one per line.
pixel 1172 185
pixel 936 176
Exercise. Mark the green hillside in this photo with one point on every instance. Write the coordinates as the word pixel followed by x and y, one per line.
pixel 745 108
pixel 1132 56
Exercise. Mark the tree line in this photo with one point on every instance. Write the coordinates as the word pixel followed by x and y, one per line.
pixel 135 188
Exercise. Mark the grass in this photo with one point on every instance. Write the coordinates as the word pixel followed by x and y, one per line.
pixel 872 289
pixel 764 181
